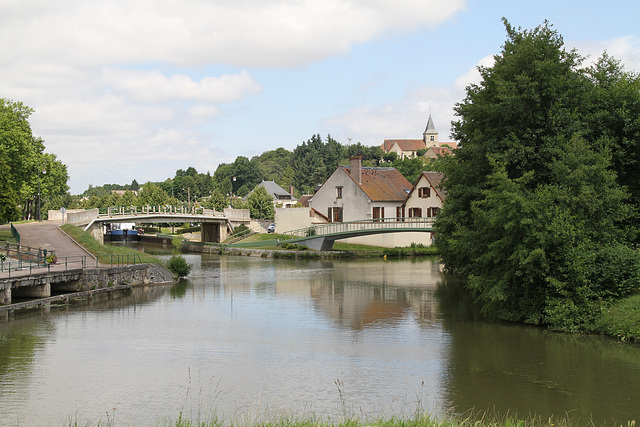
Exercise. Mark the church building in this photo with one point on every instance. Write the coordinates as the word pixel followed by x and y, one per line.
pixel 409 147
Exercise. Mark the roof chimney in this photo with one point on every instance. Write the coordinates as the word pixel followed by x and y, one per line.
pixel 355 168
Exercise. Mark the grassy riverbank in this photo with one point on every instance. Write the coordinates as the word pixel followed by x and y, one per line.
pixel 621 320
pixel 87 241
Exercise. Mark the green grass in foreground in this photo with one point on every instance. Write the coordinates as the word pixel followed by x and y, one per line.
pixel 422 420
pixel 87 241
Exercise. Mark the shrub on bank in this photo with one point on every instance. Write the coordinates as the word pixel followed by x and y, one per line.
pixel 179 266
pixel 621 320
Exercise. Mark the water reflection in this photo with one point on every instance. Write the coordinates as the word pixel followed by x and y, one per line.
pixel 505 368
pixel 253 337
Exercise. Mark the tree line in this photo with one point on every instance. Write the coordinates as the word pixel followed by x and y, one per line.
pixel 542 214
pixel 31 178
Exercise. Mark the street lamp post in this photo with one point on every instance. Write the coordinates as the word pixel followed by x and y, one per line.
pixel 233 179
pixel 43 172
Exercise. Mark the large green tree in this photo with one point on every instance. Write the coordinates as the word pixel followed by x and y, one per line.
pixel 31 176
pixel 535 209
pixel 8 197
pixel 260 203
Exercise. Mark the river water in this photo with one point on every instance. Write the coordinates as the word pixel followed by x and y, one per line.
pixel 246 339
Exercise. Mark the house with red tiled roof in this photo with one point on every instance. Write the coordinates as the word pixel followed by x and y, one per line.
pixel 355 192
pixel 435 152
pixel 425 199
pixel 409 147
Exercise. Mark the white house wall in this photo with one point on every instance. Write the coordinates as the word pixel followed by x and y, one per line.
pixel 433 201
pixel 288 219
pixel 354 201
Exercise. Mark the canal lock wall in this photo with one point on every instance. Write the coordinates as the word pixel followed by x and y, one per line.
pixel 44 285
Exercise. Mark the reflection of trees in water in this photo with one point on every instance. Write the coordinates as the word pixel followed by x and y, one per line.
pixel 179 289
pixel 513 368
pixel 456 303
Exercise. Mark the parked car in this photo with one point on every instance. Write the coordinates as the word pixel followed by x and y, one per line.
pixel 271 228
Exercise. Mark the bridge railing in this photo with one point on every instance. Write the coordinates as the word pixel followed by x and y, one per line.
pixel 366 224
pixel 118 260
pixel 20 258
pixel 156 210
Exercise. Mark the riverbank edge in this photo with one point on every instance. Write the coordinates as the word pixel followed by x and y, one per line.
pixel 198 247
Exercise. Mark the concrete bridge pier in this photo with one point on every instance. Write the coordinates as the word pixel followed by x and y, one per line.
pixel 319 244
pixel 210 232
pixel 5 293
pixel 34 291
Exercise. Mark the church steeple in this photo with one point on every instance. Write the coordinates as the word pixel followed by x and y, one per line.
pixel 430 135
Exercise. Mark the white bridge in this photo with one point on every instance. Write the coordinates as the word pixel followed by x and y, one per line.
pixel 216 226
pixel 321 236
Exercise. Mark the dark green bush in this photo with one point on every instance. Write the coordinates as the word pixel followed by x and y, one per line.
pixel 179 266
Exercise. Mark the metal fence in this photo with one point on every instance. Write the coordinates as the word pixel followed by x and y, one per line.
pixel 401 223
pixel 15 234
pixel 16 258
pixel 151 210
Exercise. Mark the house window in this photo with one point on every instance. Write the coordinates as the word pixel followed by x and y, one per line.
pixel 435 211
pixel 424 192
pixel 335 214
pixel 415 212
pixel 399 213
pixel 339 192
pixel 378 213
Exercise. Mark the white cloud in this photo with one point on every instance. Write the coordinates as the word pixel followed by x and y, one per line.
pixel 152 86
pixel 406 117
pixel 626 49
pixel 472 76
pixel 92 69
pixel 189 32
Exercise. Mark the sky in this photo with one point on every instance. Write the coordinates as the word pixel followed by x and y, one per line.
pixel 137 89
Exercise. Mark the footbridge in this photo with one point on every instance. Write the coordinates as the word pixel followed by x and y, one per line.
pixel 216 226
pixel 321 236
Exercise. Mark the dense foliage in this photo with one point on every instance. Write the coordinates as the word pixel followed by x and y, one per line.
pixel 29 178
pixel 542 195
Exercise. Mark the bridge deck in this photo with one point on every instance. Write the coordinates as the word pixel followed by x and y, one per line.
pixel 322 236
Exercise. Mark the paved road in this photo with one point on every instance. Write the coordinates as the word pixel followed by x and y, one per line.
pixel 46 235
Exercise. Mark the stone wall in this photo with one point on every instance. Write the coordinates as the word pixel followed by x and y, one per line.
pixel 41 285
